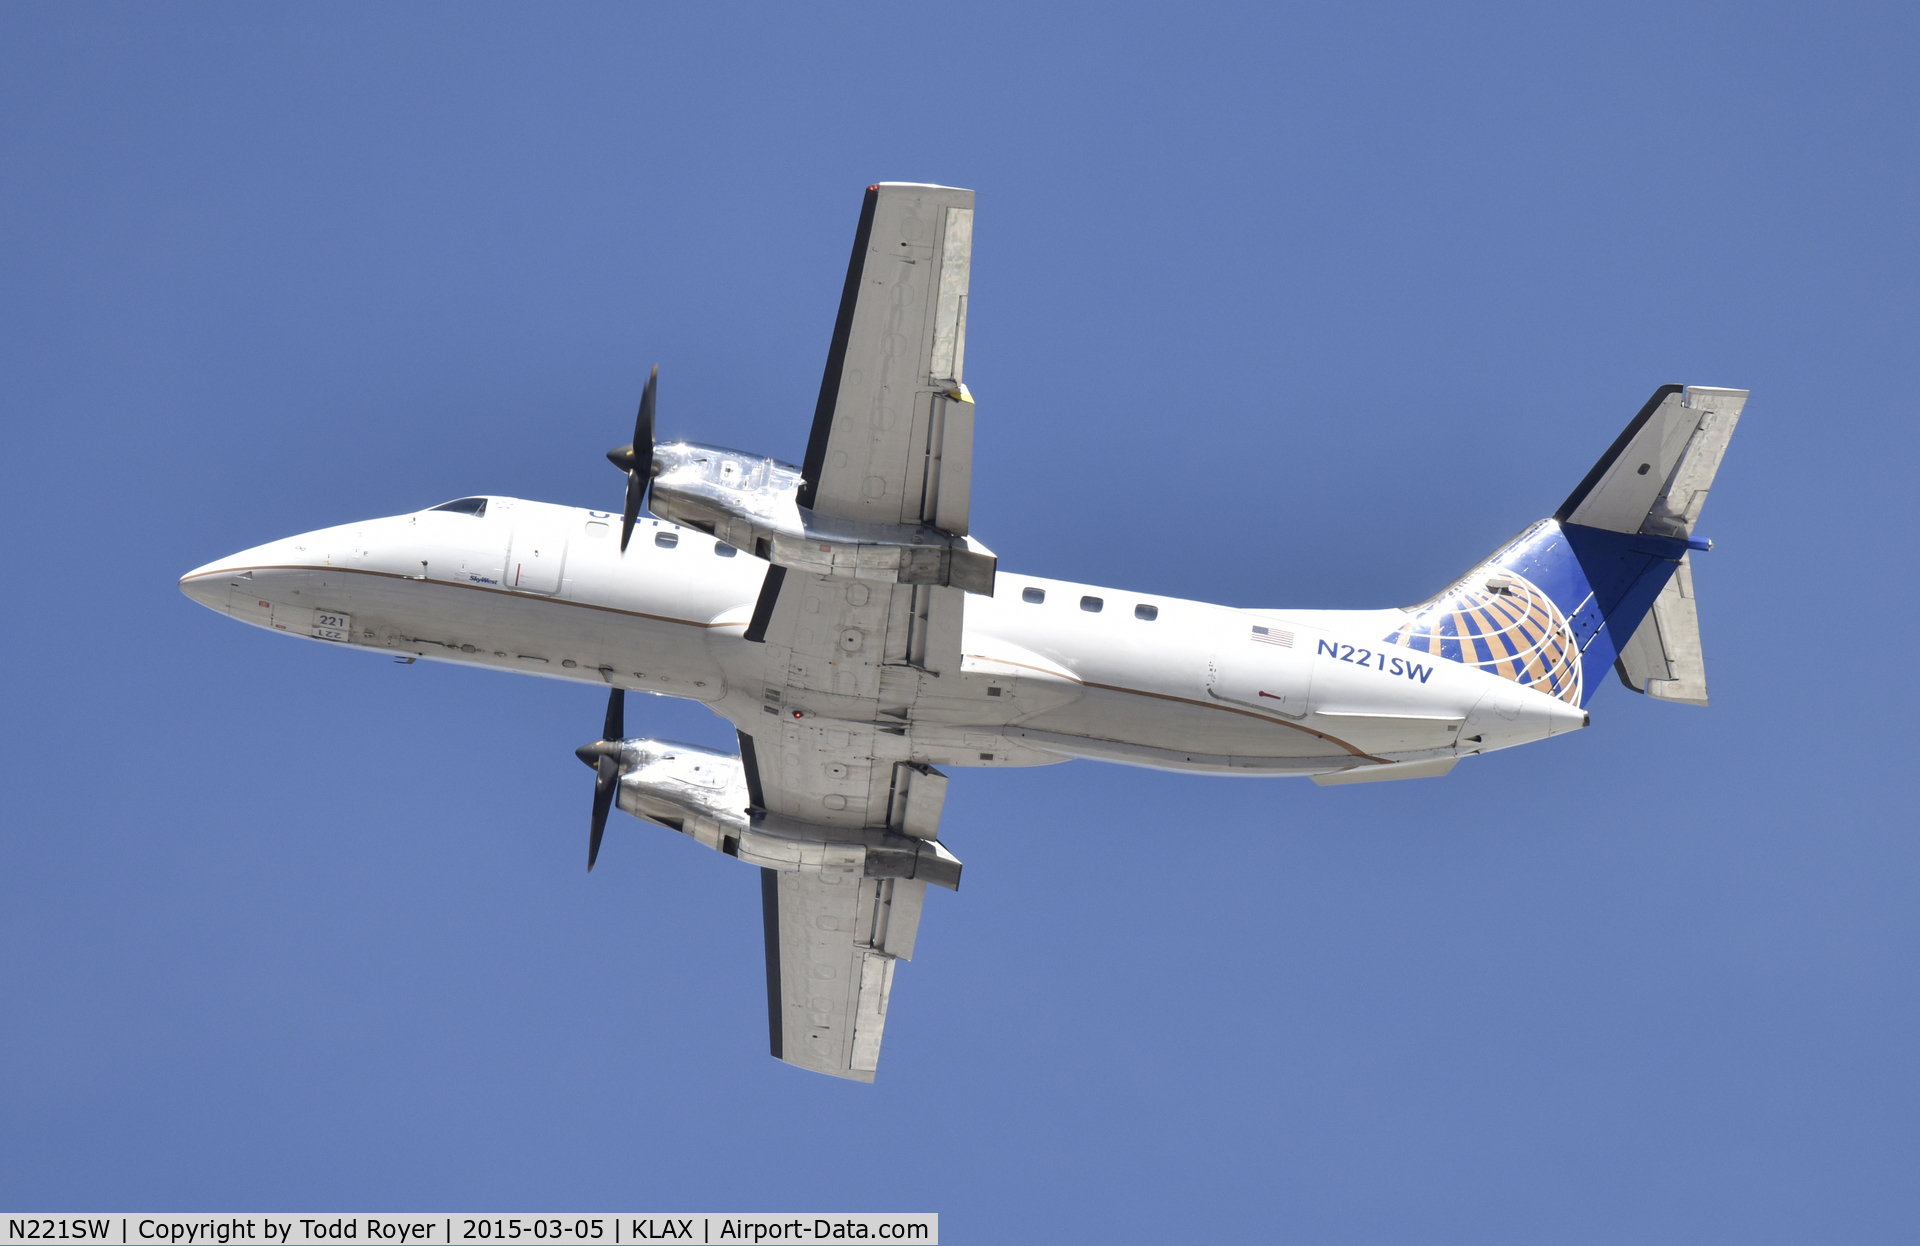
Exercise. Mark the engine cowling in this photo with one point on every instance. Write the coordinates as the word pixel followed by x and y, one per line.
pixel 751 502
pixel 703 795
pixel 698 792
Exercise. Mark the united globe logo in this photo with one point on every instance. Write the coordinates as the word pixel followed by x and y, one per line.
pixel 1503 624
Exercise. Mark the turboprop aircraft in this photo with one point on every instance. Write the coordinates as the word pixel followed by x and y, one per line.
pixel 842 616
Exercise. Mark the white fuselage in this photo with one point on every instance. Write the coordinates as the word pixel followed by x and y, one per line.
pixel 1082 672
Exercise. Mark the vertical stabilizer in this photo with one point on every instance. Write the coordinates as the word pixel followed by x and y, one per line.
pixel 1663 658
pixel 1564 600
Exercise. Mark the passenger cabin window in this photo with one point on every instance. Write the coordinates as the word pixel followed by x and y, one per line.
pixel 477 507
pixel 724 550
pixel 1092 605
pixel 1033 596
pixel 1146 613
pixel 666 540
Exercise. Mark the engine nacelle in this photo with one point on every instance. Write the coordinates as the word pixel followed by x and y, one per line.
pixel 703 795
pixel 751 503
pixel 780 843
pixel 696 791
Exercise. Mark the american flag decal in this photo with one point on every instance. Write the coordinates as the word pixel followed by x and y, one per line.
pixel 1274 636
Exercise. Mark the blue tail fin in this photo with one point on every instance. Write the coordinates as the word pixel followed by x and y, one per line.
pixel 1553 608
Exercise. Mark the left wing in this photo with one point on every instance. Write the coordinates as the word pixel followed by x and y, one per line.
pixel 892 437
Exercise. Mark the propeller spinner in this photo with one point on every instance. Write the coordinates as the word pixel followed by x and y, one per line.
pixel 604 756
pixel 636 460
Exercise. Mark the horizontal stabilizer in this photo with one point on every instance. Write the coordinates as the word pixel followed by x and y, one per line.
pixel 1664 659
pixel 1654 478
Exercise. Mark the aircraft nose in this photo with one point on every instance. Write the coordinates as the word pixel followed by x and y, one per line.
pixel 209 584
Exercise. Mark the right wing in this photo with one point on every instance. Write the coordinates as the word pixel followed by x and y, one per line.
pixel 843 878
pixel 831 945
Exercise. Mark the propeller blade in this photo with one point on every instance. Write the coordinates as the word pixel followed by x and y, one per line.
pixel 631 512
pixel 615 729
pixel 643 422
pixel 604 757
pixel 637 459
pixel 604 787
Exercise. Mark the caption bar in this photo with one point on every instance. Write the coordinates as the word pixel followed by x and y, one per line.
pixel 756 1228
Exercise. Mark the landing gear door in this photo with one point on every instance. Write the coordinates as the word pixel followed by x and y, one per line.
pixel 1263 666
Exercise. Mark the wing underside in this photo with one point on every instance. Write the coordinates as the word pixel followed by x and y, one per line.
pixel 832 943
pixel 845 831
pixel 892 438
pixel 847 822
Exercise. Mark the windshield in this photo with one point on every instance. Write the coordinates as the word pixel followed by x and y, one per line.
pixel 464 506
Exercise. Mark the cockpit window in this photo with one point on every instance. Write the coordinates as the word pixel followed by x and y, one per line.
pixel 477 507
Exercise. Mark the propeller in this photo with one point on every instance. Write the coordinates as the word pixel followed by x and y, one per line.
pixel 636 459
pixel 604 756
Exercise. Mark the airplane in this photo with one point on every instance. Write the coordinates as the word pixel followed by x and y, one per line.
pixel 841 615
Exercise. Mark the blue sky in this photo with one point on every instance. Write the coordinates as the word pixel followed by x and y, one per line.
pixel 1271 306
